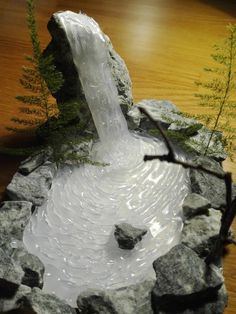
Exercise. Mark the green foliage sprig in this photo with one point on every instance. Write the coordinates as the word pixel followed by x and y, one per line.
pixel 39 79
pixel 220 91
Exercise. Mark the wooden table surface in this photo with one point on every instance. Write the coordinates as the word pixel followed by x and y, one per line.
pixel 165 44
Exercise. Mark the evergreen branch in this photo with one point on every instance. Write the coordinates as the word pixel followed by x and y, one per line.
pixel 219 97
pixel 34 79
pixel 52 77
pixel 219 58
pixel 29 111
pixel 208 97
pixel 17 130
pixel 30 59
pixel 215 70
pixel 27 121
pixel 31 22
pixel 226 94
pixel 215 85
pixel 34 87
pixel 32 100
pixel 31 72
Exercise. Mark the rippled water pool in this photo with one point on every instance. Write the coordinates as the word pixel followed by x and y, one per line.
pixel 73 233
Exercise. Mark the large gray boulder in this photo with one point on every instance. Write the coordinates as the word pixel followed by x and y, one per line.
pixel 128 300
pixel 183 280
pixel 14 216
pixel 201 232
pixel 33 187
pixel 43 303
pixel 71 92
pixel 11 275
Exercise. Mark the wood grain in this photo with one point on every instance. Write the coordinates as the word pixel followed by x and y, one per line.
pixel 165 44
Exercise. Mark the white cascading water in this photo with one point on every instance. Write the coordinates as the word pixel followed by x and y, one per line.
pixel 73 232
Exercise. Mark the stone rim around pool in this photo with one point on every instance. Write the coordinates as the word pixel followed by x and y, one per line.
pixel 22 288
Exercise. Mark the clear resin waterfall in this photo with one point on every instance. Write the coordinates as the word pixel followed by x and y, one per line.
pixel 90 56
pixel 73 232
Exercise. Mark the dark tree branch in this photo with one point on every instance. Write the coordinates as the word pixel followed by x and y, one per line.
pixel 230 210
pixel 170 155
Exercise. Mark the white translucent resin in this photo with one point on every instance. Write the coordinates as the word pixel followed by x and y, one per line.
pixel 73 232
pixel 90 55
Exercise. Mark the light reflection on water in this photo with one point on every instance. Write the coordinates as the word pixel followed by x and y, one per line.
pixel 73 232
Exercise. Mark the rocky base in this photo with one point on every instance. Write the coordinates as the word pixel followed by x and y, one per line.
pixel 184 284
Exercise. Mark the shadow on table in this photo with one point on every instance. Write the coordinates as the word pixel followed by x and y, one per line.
pixel 228 6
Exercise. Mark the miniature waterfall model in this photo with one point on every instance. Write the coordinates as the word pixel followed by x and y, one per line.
pixel 73 232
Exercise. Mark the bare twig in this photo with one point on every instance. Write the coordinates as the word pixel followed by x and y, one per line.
pixel 230 210
pixel 170 156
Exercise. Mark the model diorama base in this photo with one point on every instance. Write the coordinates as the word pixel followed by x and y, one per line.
pixel 123 237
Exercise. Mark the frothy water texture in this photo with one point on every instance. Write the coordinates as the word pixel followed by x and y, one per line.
pixel 73 232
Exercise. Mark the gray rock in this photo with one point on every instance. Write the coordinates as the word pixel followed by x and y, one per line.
pixel 199 142
pixel 33 187
pixel 13 303
pixel 5 243
pixel 195 204
pixel 128 300
pixel 9 244
pixel 165 112
pixel 215 305
pixel 14 216
pixel 186 126
pixel 82 149
pixel 95 301
pixel 43 303
pixel 158 110
pixel 207 185
pixel 121 76
pixel 188 132
pixel 32 267
pixel 11 275
pixel 200 232
pixel 33 162
pixel 128 236
pixel 72 91
pixel 183 280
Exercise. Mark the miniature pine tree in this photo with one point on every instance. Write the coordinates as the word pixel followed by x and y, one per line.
pixel 220 92
pixel 40 78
